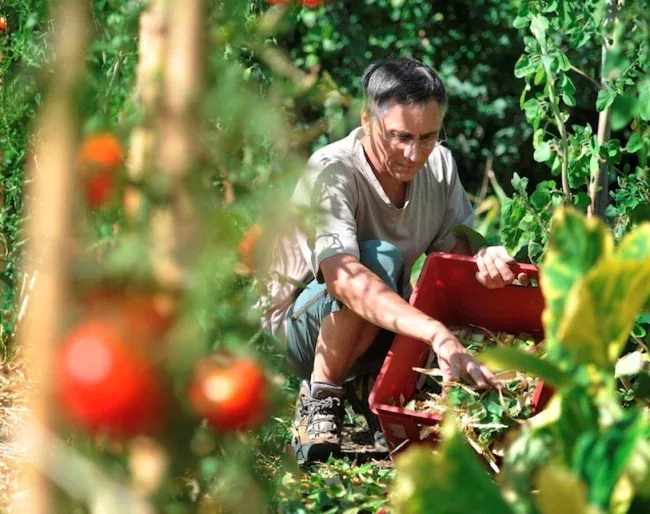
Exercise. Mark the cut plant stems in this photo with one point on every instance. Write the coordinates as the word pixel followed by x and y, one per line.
pixel 483 416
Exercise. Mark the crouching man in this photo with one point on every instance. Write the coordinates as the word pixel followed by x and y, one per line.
pixel 384 195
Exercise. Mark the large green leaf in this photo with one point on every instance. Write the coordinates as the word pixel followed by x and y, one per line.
pixel 449 481
pixel 575 245
pixel 600 310
pixel 508 358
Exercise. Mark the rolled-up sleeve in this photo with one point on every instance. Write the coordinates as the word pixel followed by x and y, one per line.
pixel 333 197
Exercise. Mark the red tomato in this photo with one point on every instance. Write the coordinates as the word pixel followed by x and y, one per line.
pixel 99 188
pixel 232 394
pixel 102 149
pixel 3 24
pixel 312 4
pixel 105 387
pixel 100 156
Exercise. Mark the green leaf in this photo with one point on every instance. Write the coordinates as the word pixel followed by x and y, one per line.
pixel 567 85
pixel 475 240
pixel 560 491
pixel 600 457
pixel 539 26
pixel 532 108
pixel 569 100
pixel 563 61
pixel 539 77
pixel 605 99
pixel 519 183
pixel 575 245
pixel 427 480
pixel 520 22
pixel 506 358
pixel 601 309
pixel 624 108
pixel 543 152
pixel 582 200
pixel 635 143
pixel 524 67
pixel 541 197
pixel 644 99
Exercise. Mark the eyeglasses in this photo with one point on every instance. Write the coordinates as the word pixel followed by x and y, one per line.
pixel 404 142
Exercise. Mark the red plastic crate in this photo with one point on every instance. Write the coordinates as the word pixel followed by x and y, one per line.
pixel 448 291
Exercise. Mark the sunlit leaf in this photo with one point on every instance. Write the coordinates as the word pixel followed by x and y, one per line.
pixel 575 245
pixel 437 482
pixel 561 492
pixel 600 310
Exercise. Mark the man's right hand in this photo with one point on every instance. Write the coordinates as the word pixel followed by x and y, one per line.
pixel 455 361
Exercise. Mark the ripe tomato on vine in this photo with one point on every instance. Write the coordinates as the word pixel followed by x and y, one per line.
pixel 106 387
pixel 3 24
pixel 100 156
pixel 231 393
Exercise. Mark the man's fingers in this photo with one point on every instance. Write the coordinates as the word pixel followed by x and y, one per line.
pixel 495 274
pixel 504 270
pixel 475 372
pixel 454 369
pixel 523 279
pixel 502 253
pixel 490 377
pixel 483 275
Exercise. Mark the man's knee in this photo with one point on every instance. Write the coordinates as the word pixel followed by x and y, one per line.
pixel 385 260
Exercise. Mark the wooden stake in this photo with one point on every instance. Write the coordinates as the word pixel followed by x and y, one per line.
pixel 48 218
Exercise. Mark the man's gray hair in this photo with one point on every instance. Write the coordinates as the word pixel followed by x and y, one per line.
pixel 401 81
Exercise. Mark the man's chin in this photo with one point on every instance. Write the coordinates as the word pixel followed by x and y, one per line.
pixel 405 174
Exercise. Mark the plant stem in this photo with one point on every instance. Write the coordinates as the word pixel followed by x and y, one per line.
pixel 598 185
pixel 585 75
pixel 554 103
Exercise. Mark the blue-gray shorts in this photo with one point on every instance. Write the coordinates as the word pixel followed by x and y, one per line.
pixel 314 304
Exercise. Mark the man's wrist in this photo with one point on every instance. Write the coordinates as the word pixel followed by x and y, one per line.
pixel 439 335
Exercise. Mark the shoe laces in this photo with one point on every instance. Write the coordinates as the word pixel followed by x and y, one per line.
pixel 321 407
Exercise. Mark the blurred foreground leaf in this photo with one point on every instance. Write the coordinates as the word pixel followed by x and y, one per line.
pixel 448 481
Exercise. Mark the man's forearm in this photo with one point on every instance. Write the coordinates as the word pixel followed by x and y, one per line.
pixel 365 294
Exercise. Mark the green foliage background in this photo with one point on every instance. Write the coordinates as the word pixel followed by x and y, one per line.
pixel 523 80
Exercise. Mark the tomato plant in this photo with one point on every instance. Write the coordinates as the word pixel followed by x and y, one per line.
pixel 104 386
pixel 232 394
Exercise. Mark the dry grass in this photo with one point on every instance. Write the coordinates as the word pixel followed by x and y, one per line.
pixel 14 414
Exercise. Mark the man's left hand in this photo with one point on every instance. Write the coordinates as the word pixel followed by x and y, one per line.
pixel 494 268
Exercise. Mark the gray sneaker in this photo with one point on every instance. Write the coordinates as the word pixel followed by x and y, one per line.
pixel 318 422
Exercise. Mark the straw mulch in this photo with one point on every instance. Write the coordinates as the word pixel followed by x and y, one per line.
pixel 14 414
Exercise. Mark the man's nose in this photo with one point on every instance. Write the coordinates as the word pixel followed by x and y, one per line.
pixel 413 151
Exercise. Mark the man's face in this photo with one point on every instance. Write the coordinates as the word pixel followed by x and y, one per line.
pixel 396 138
